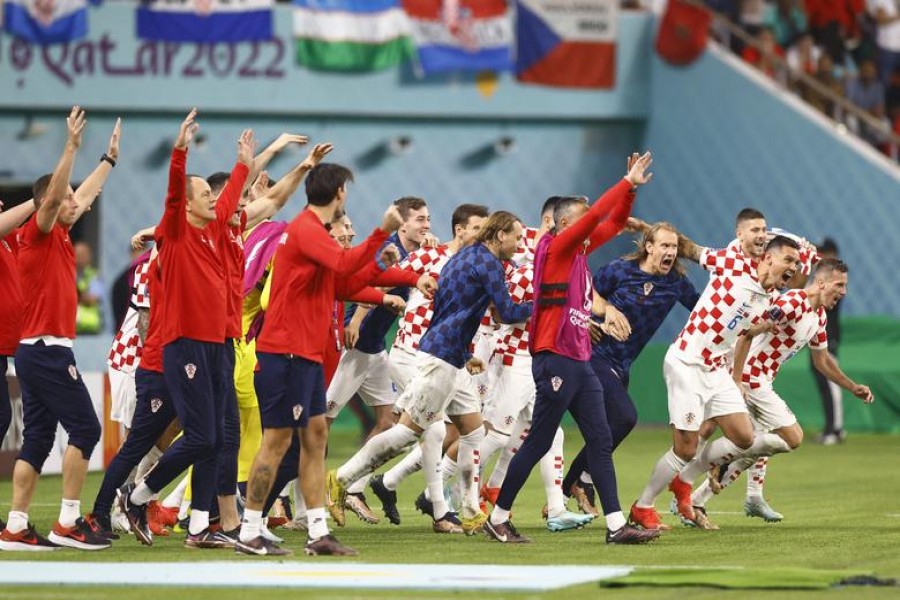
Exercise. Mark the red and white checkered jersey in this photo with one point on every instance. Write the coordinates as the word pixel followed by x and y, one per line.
pixel 125 353
pixel 512 340
pixel 525 252
pixel 419 309
pixel 797 324
pixel 732 301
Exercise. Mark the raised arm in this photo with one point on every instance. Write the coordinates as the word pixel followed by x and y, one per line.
pixel 12 218
pixel 325 251
pixel 274 200
pixel 828 366
pixel 230 196
pixel 56 192
pixel 173 219
pixel 90 188
pixel 263 158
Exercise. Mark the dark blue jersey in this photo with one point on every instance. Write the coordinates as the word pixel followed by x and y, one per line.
pixel 379 320
pixel 645 300
pixel 471 280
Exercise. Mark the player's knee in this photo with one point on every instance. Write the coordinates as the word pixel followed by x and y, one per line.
pixel 793 437
pixel 36 451
pixel 86 437
pixel 741 438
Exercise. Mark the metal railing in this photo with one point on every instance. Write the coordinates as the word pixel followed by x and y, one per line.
pixel 846 112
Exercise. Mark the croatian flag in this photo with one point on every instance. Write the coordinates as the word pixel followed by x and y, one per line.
pixel 461 35
pixel 45 21
pixel 205 21
pixel 567 43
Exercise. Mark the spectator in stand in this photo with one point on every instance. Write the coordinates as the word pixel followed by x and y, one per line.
pixel 887 17
pixel 825 75
pixel 835 25
pixel 866 92
pixel 764 58
pixel 89 318
pixel 787 20
pixel 804 56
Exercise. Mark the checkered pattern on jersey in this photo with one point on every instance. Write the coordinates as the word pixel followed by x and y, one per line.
pixel 645 300
pixel 797 325
pixel 512 340
pixel 420 309
pixel 379 320
pixel 525 252
pixel 808 256
pixel 471 280
pixel 713 324
pixel 125 353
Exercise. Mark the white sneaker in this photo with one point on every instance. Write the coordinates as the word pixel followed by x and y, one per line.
pixel 568 520
pixel 118 520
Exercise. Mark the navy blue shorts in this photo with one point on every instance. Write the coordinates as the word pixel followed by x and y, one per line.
pixel 53 392
pixel 290 390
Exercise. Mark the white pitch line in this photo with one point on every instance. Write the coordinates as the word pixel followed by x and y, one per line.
pixel 893 515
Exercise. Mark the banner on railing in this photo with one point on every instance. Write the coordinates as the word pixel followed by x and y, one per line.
pixel 205 21
pixel 45 21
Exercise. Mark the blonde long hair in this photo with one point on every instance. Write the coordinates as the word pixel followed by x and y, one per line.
pixel 649 237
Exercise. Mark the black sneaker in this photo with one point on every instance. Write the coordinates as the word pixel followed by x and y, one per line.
pixel 27 540
pixel 136 514
pixel 388 499
pixel 424 505
pixel 505 533
pixel 260 546
pixel 206 539
pixel 327 545
pixel 101 525
pixel 228 538
pixel 79 536
pixel 631 535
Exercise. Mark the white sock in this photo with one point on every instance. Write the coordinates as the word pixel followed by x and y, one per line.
pixel 299 501
pixel 318 526
pixel 493 442
pixel 432 447
pixel 615 521
pixel 410 464
pixel 552 476
pixel 767 444
pixel 141 494
pixel 377 451
pixel 702 494
pixel 756 477
pixel 469 461
pixel 251 525
pixel 17 521
pixel 174 499
pixel 585 477
pixel 520 432
pixel 360 485
pixel 147 463
pixel 199 521
pixel 667 467
pixel 499 515
pixel 69 511
pixel 718 452
pixel 184 510
pixel 449 467
pixel 286 490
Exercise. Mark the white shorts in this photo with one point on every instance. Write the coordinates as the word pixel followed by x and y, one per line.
pixel 484 349
pixel 123 396
pixel 513 396
pixel 365 374
pixel 696 394
pixel 402 367
pixel 437 388
pixel 769 410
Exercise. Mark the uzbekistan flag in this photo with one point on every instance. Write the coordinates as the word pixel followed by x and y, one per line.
pixel 45 21
pixel 205 21
pixel 461 35
pixel 567 43
pixel 351 35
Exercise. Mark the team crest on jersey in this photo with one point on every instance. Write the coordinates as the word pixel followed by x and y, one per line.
pixel 298 410
pixel 689 418
pixel 509 419
pixel 155 405
pixel 556 383
pixel 191 370
pixel 73 372
pixel 482 389
pixel 648 287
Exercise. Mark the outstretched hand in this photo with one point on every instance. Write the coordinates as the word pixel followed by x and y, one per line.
pixel 315 156
pixel 637 169
pixel 113 150
pixel 75 123
pixel 187 130
pixel 246 147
